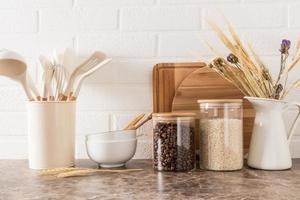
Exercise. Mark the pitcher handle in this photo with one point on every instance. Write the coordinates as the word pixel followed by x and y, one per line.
pixel 295 122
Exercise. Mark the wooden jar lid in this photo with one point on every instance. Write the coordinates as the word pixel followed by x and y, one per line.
pixel 174 114
pixel 220 101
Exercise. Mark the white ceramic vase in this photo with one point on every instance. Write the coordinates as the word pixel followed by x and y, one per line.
pixel 51 134
pixel 269 146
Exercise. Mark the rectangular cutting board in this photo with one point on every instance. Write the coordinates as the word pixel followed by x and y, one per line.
pixel 177 86
pixel 166 79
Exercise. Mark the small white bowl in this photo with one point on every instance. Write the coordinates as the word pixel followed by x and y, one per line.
pixel 111 149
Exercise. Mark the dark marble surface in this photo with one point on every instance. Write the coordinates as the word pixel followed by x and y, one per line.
pixel 17 182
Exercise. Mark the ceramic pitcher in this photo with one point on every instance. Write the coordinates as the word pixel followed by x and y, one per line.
pixel 269 146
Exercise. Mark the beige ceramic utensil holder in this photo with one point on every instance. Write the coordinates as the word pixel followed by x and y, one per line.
pixel 51 134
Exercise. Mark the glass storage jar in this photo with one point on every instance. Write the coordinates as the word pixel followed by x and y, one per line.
pixel 221 134
pixel 173 141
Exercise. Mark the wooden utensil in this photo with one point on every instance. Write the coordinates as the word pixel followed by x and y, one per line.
pixel 60 75
pixel 83 76
pixel 91 62
pixel 134 121
pixel 47 78
pixel 13 66
pixel 205 83
pixel 60 79
pixel 31 85
pixel 166 79
pixel 137 126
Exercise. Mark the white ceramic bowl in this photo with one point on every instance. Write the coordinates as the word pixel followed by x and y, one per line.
pixel 111 149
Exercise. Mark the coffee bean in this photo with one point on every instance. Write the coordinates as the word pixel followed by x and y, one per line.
pixel 173 151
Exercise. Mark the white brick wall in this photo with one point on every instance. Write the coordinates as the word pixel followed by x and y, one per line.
pixel 137 34
pixel 166 18
pixel 18 21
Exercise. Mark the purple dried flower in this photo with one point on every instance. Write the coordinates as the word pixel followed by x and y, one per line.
pixel 285 46
pixel 232 58
pixel 278 90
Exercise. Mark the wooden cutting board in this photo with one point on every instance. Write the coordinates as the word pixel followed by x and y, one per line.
pixel 205 83
pixel 166 78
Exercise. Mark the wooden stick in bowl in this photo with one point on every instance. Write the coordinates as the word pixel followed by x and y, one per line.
pixel 134 121
pixel 144 121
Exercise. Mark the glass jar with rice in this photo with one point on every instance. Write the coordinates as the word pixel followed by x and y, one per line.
pixel 221 134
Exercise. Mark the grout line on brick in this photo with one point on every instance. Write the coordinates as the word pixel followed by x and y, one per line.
pixel 119 19
pixel 288 16
pixel 203 12
pixel 156 46
pixel 110 121
pixel 75 43
pixel 38 21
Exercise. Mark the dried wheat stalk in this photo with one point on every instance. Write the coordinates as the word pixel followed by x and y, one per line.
pixel 247 71
pixel 55 171
pixel 71 172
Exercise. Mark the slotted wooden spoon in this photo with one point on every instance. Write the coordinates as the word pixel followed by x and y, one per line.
pixel 96 58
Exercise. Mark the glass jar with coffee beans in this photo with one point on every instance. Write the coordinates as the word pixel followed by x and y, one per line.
pixel 173 141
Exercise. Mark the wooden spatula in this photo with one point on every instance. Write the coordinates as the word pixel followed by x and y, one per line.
pixel 90 63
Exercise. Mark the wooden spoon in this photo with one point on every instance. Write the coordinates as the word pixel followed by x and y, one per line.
pixel 13 66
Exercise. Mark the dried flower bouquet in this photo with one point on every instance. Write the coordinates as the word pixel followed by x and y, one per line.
pixel 247 71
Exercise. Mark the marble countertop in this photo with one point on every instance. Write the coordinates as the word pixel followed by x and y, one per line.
pixel 17 182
